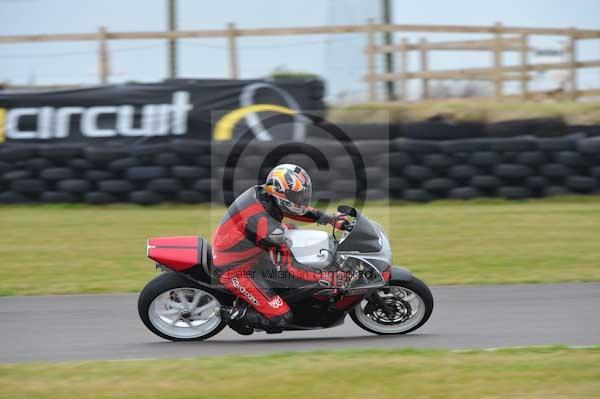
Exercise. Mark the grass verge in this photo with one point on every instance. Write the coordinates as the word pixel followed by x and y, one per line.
pixel 587 113
pixel 518 373
pixel 84 249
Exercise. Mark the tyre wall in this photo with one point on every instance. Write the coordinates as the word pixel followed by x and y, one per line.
pixel 183 170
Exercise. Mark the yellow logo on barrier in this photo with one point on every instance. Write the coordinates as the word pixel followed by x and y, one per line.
pixel 224 128
pixel 2 115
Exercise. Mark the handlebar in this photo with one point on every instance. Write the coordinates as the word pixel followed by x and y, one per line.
pixel 343 211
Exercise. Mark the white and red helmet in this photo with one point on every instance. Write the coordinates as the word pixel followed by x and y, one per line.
pixel 290 187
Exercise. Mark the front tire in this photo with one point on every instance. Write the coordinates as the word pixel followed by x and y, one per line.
pixel 175 308
pixel 411 300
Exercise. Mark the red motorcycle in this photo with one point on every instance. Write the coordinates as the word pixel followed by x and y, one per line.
pixel 186 302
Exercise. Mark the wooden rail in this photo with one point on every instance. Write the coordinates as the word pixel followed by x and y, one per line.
pixel 487 73
pixel 509 44
pixel 308 30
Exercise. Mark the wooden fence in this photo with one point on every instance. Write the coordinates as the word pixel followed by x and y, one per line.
pixel 496 73
pixel 503 39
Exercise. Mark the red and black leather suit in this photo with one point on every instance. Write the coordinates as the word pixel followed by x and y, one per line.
pixel 246 232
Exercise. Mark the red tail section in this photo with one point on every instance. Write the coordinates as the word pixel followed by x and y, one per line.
pixel 178 253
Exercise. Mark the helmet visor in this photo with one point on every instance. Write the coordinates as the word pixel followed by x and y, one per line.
pixel 300 198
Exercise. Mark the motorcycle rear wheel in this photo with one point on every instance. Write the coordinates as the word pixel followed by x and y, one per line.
pixel 412 302
pixel 174 308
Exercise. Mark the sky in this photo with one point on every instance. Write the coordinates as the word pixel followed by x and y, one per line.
pixel 338 58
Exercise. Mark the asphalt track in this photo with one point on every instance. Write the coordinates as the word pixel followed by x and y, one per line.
pixel 85 327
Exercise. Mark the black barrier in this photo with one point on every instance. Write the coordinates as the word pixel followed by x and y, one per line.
pixel 419 170
pixel 143 111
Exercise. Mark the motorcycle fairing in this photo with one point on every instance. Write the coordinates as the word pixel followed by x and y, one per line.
pixel 178 253
pixel 313 248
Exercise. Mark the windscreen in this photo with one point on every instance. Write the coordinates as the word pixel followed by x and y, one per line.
pixel 363 238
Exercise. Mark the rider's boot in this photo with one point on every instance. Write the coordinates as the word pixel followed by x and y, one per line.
pixel 236 318
pixel 243 318
pixel 275 324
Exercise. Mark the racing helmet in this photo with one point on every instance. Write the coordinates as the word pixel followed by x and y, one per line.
pixel 290 186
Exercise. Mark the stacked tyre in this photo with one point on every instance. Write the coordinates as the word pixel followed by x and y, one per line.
pixel 143 174
pixel 511 167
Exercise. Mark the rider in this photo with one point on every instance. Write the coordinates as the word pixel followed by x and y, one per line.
pixel 252 226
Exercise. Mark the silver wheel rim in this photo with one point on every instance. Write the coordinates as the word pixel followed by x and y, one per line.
pixel 405 323
pixel 185 313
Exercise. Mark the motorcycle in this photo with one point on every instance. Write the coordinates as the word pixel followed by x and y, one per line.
pixel 186 302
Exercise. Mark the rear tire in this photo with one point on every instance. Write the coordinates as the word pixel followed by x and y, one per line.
pixel 415 285
pixel 165 283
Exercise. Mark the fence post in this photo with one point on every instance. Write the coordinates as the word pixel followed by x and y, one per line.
pixel 403 68
pixel 524 47
pixel 573 63
pixel 103 61
pixel 371 60
pixel 498 74
pixel 424 66
pixel 232 45
pixel 172 53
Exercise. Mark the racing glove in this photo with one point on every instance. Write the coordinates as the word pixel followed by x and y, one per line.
pixel 338 220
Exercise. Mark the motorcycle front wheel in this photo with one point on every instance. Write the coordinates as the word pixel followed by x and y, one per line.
pixel 174 308
pixel 402 307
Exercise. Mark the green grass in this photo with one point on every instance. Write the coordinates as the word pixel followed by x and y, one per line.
pixel 586 113
pixel 524 373
pixel 84 249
